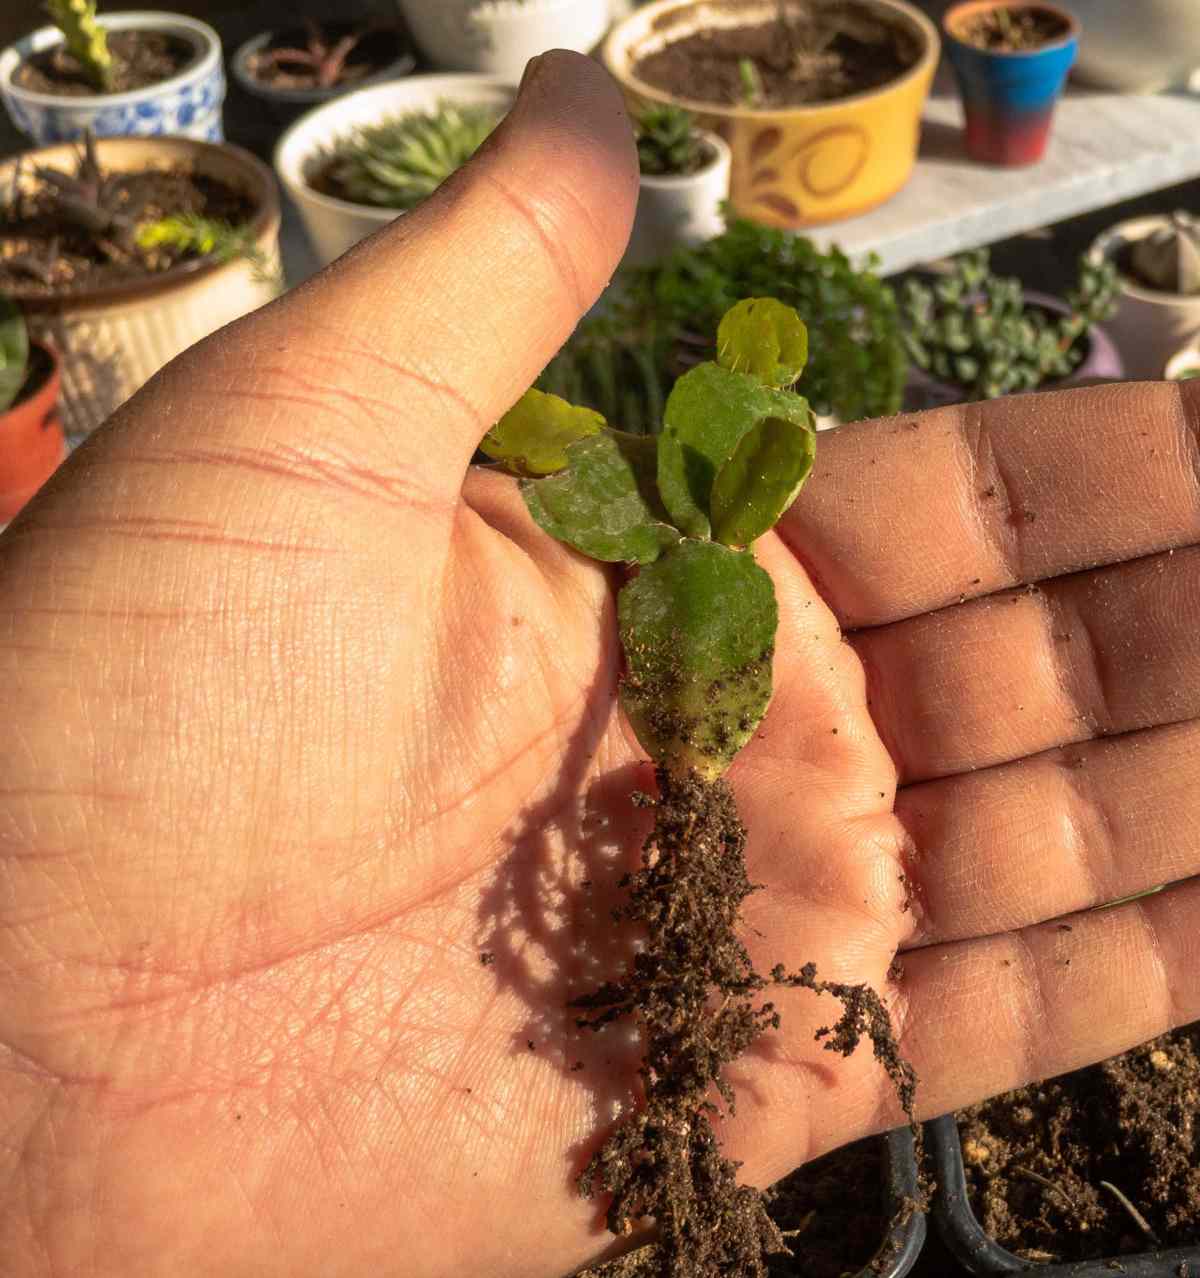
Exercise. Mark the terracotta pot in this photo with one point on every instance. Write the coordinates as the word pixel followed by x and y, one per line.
pixel 31 436
pixel 114 339
pixel 793 166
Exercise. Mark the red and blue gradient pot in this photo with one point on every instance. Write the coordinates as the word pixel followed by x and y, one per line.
pixel 1008 98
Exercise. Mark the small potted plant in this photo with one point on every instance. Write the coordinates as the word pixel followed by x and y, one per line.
pixel 1158 281
pixel 354 164
pixel 295 68
pixel 31 434
pixel 498 37
pixel 125 251
pixel 820 103
pixel 974 335
pixel 1010 58
pixel 684 182
pixel 126 73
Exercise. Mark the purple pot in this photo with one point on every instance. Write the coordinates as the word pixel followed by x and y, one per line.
pixel 1101 363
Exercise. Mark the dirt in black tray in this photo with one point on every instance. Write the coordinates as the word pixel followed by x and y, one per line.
pixel 44 253
pixel 1102 1162
pixel 140 59
pixel 1013 30
pixel 816 54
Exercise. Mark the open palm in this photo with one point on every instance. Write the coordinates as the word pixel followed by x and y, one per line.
pixel 313 792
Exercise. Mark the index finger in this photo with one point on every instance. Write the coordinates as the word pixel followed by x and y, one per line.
pixel 915 512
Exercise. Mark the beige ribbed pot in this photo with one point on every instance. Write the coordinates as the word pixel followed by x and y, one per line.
pixel 114 340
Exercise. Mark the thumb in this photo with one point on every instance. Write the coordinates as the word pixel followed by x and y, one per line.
pixel 450 312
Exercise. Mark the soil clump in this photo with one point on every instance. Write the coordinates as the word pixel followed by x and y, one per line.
pixel 694 993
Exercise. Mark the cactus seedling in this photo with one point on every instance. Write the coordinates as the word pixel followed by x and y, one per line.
pixel 1168 259
pixel 85 39
pixel 697 625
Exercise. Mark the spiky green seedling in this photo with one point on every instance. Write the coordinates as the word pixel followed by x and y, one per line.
pixel 85 39
pixel 698 622
pixel 14 352
pixel 668 142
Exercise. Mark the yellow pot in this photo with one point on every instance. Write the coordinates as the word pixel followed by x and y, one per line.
pixel 803 165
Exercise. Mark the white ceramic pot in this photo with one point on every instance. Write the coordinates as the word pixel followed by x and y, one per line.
pixel 498 37
pixel 1136 46
pixel 335 225
pixel 115 339
pixel 187 105
pixel 1149 325
pixel 680 210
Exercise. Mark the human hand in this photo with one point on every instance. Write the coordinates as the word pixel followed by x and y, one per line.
pixel 301 722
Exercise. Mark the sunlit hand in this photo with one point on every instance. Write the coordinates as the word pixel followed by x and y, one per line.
pixel 301 725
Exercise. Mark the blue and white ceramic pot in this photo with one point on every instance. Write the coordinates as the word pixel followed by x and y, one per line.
pixel 187 105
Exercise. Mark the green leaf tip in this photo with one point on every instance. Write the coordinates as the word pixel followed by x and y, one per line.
pixel 765 338
pixel 14 352
pixel 708 412
pixel 532 437
pixel 698 629
pixel 761 480
pixel 604 502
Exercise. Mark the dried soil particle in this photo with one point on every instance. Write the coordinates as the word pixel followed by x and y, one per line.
pixel 1013 30
pixel 33 232
pixel 819 54
pixel 1130 1121
pixel 140 59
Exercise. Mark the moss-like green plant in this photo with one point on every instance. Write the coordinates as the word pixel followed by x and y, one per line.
pixel 975 329
pixel 668 142
pixel 697 624
pixel 85 39
pixel 14 352
pixel 195 234
pixel 623 363
pixel 399 161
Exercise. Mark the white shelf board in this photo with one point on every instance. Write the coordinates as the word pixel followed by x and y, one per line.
pixel 1104 147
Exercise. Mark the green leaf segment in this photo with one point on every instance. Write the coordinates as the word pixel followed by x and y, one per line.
pixel 698 621
pixel 14 352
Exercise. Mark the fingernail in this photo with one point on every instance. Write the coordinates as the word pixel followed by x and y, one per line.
pixel 531 72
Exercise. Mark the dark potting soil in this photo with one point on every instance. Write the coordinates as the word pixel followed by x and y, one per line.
pixel 1013 30
pixel 694 995
pixel 1062 1170
pixel 817 54
pixel 275 66
pixel 140 59
pixel 44 254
